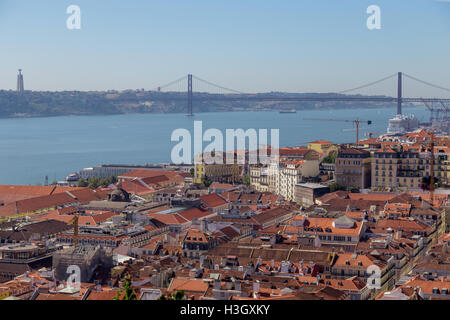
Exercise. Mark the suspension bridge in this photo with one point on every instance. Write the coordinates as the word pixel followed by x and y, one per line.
pixel 228 94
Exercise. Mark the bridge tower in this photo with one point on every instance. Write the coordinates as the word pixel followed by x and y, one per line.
pixel 399 93
pixel 189 111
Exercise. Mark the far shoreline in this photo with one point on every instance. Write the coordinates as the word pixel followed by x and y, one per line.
pixel 27 116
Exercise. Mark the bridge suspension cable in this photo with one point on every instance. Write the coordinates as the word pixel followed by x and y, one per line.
pixel 217 86
pixel 170 83
pixel 368 84
pixel 425 82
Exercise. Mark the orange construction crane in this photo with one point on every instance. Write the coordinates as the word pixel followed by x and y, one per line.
pixel 356 122
pixel 74 221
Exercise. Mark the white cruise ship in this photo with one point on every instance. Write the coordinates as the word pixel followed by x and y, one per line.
pixel 402 123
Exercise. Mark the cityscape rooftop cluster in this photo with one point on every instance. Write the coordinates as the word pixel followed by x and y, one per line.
pixel 354 221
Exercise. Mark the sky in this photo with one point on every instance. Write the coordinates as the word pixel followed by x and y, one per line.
pixel 247 45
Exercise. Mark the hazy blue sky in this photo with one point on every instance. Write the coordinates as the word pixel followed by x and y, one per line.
pixel 250 45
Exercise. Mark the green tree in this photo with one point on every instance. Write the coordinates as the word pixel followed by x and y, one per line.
pixel 179 295
pixel 93 182
pixel 128 290
pixel 336 186
pixel 192 172
pixel 82 183
pixel 207 182
pixel 112 179
pixel 104 182
pixel 246 180
pixel 331 158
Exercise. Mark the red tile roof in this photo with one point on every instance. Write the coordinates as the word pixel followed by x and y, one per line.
pixel 11 193
pixel 322 142
pixel 372 196
pixel 188 285
pixel 213 200
pixel 217 185
pixel 192 213
pixel 169 219
pixel 230 196
pixel 83 195
pixel 196 236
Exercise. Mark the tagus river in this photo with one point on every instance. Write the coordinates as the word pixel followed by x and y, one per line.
pixel 33 148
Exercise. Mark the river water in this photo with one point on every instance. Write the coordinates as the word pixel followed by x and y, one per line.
pixel 32 148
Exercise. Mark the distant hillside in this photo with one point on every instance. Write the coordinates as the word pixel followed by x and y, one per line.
pixel 45 104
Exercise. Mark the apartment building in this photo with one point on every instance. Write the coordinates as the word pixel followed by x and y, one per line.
pixel 405 167
pixel 353 168
pixel 259 179
pixel 195 243
pixel 362 265
pixel 441 165
pixel 395 169
pixel 218 171
pixel 291 173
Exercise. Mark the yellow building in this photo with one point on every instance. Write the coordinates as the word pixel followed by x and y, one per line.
pixel 216 172
pixel 4 293
pixel 322 146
